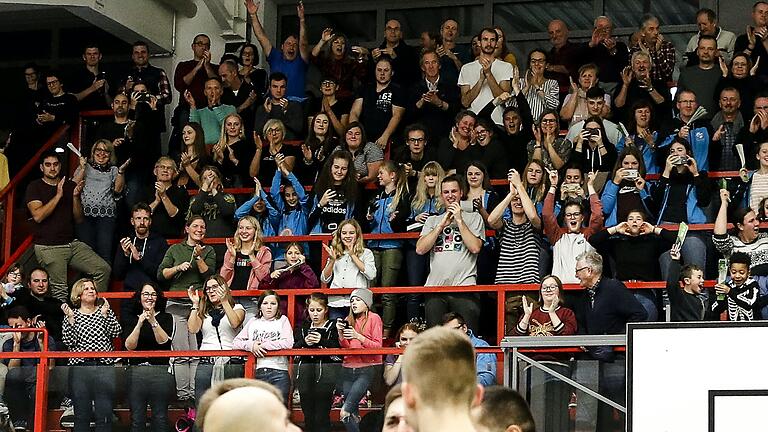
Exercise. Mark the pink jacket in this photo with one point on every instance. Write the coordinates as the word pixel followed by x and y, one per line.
pixel 259 268
pixel 373 339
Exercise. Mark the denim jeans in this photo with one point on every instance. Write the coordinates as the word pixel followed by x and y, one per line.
pixel 355 383
pixel 98 233
pixel 92 389
pixel 205 370
pixel 278 378
pixel 20 392
pixel 150 385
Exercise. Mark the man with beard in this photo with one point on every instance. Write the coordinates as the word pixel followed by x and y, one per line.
pixel 140 254
pixel 54 204
pixel 485 78
pixel 703 78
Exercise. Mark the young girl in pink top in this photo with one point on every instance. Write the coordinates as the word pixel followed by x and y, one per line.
pixel 361 329
pixel 268 331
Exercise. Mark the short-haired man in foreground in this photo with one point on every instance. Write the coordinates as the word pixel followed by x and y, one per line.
pixel 243 405
pixel 439 382
pixel 503 410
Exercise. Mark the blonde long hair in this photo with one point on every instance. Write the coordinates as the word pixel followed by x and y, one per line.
pixel 223 135
pixel 338 246
pixel 258 236
pixel 422 194
pixel 401 183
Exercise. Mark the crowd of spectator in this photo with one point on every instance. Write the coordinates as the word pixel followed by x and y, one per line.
pixel 398 139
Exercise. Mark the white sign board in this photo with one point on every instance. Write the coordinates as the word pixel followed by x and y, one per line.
pixel 704 376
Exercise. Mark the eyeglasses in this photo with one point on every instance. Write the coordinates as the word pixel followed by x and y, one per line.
pixel 274 130
pixel 102 151
pixel 481 131
pixel 546 288
pixel 572 215
pixel 202 44
pixel 149 294
pixel 327 83
pixel 582 268
pixel 50 83
pixel 212 287
pixel 416 140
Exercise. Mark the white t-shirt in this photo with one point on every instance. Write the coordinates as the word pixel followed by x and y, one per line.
pixel 470 74
pixel 226 332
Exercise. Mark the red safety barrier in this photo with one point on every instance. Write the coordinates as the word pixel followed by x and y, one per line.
pixel 44 356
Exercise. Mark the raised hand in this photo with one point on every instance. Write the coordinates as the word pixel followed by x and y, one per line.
pixel 105 308
pixel 527 307
pixel 753 70
pixel 328 195
pixel 622 228
pixel 193 295
pixel 231 247
pixel 252 7
pixel 553 177
pixel 190 100
pixel 326 35
pixel 332 255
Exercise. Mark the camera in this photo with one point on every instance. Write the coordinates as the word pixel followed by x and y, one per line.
pixel 592 132
pixel 683 160
pixel 630 174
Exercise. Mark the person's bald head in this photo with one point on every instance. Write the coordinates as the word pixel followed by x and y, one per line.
pixel 243 405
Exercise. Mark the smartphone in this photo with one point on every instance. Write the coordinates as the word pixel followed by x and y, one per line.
pixel 100 302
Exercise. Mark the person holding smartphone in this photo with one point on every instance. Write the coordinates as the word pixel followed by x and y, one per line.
pixel 316 376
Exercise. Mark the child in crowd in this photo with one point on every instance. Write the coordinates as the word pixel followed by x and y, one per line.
pixel 393 363
pixel 519 255
pixel 535 183
pixel 361 329
pixel 569 242
pixel 247 260
pixel 316 375
pixel 270 330
pixel 349 265
pixel 289 211
pixel 335 193
pixel 739 295
pixel 426 202
pixel 260 208
pixel 387 214
pixel 684 287
pixel 483 200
